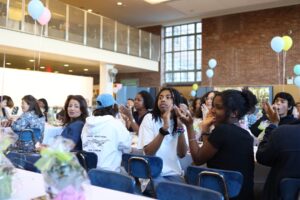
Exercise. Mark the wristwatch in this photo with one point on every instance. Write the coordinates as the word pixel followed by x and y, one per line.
pixel 163 132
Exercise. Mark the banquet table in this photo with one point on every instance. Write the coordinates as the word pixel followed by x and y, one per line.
pixel 28 185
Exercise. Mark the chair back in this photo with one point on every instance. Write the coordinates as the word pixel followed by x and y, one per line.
pixel 141 166
pixel 30 134
pixel 88 160
pixel 24 161
pixel 228 183
pixel 290 188
pixel 179 191
pixel 111 180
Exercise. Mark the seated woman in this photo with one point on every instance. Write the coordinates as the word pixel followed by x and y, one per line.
pixel 143 103
pixel 4 116
pixel 228 146
pixel 76 113
pixel 32 117
pixel 44 107
pixel 162 134
pixel 105 135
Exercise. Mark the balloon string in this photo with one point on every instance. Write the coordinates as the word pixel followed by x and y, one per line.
pixel 34 51
pixel 278 68
pixel 283 69
pixel 39 48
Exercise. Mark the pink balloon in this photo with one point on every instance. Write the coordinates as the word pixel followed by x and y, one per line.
pixel 45 17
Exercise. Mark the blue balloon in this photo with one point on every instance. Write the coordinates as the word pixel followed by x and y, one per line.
pixel 297 81
pixel 209 73
pixel 212 63
pixel 297 69
pixel 35 9
pixel 193 93
pixel 277 44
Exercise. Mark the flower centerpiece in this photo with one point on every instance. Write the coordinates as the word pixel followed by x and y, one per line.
pixel 62 172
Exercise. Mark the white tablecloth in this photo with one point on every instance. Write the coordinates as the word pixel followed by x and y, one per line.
pixel 51 132
pixel 28 185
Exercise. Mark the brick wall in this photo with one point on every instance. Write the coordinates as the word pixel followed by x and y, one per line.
pixel 241 45
pixel 146 79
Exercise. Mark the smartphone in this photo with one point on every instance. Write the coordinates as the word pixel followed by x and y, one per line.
pixel 15 110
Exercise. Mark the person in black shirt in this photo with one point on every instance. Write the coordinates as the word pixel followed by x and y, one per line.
pixel 228 146
pixel 279 149
pixel 284 103
pixel 143 103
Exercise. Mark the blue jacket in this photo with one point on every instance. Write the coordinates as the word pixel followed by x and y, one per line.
pixel 73 132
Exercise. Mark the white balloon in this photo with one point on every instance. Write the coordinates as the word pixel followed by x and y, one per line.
pixel 212 63
pixel 297 81
pixel 209 73
pixel 193 93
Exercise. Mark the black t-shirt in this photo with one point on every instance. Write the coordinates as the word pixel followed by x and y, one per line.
pixel 235 152
pixel 136 118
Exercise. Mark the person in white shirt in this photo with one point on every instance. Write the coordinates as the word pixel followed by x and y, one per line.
pixel 162 134
pixel 105 135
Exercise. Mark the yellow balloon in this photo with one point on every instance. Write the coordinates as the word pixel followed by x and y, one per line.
pixel 195 86
pixel 288 42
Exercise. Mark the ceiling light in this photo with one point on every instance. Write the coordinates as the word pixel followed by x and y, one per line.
pixel 31 60
pixel 8 63
pixel 86 70
pixel 70 70
pixel 156 1
pixel 42 67
pixel 90 10
pixel 66 65
pixel 119 3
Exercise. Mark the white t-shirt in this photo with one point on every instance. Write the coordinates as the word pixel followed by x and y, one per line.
pixel 108 138
pixel 167 151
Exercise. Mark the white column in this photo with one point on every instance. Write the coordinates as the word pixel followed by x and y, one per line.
pixel 105 83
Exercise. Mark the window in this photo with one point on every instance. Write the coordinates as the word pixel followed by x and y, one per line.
pixel 183 52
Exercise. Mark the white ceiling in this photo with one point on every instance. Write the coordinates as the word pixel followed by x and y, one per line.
pixel 139 13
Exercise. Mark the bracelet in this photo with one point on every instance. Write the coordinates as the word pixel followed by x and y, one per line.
pixel 194 139
pixel 163 132
pixel 179 131
pixel 205 134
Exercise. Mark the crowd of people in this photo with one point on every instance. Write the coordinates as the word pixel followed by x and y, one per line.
pixel 212 129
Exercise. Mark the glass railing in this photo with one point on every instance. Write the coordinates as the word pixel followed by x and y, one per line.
pixel 75 25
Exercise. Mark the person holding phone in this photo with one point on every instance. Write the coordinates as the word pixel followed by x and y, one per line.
pixel 162 134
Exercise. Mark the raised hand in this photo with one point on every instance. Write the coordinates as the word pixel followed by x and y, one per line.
pixel 125 111
pixel 166 116
pixel 204 110
pixel 184 115
pixel 208 121
pixel 272 113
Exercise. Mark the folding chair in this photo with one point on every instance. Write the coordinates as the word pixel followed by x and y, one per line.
pixel 111 180
pixel 141 166
pixel 228 183
pixel 24 160
pixel 290 188
pixel 179 191
pixel 88 160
